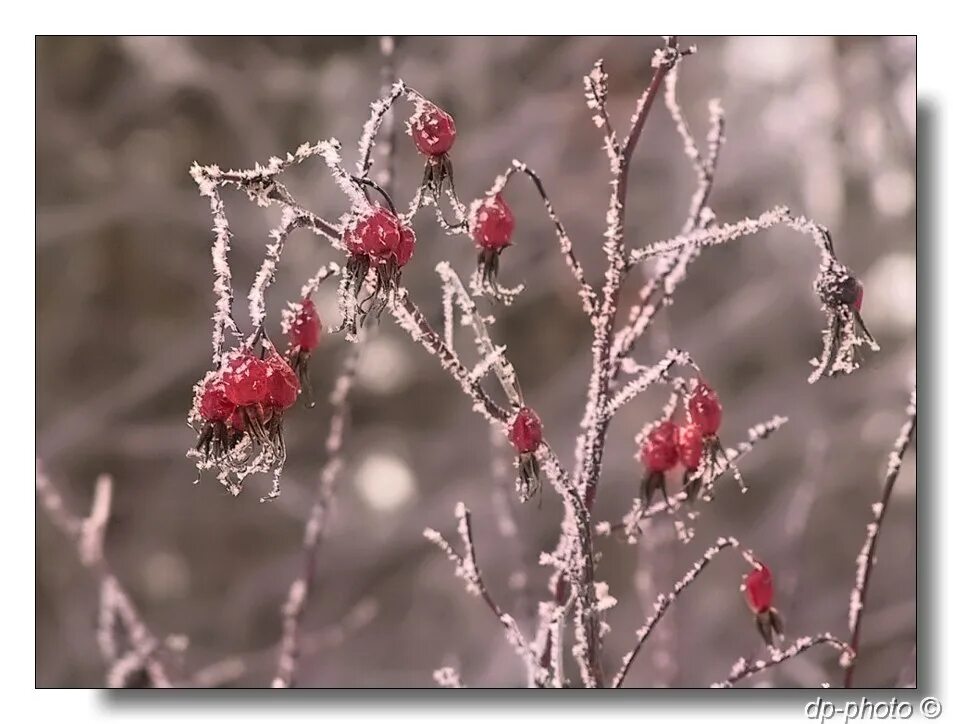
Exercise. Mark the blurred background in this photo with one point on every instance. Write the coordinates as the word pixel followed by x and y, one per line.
pixel 825 125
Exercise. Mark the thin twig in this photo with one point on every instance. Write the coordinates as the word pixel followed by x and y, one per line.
pixel 868 553
pixel 744 668
pixel 300 590
pixel 663 602
pixel 468 569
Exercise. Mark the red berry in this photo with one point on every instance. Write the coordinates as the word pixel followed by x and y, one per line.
pixel 691 443
pixel 493 224
pixel 405 248
pixel 433 130
pixel 214 405
pixel 381 237
pixel 660 448
pixel 283 384
pixel 305 330
pixel 759 588
pixel 704 408
pixel 244 379
pixel 526 432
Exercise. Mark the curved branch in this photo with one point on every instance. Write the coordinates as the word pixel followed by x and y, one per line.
pixel 744 668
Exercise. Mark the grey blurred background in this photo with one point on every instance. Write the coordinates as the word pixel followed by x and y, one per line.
pixel 825 125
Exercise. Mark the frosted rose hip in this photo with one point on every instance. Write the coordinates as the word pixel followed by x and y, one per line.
pixel 381 238
pixel 659 449
pixel 282 382
pixel 493 224
pixel 433 131
pixel 759 589
pixel 244 379
pixel 305 331
pixel 214 405
pixel 526 432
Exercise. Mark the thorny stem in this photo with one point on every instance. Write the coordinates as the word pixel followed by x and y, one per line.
pixel 868 553
pixel 87 535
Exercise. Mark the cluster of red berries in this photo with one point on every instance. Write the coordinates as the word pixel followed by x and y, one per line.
pixel 526 435
pixel 249 394
pixel 381 240
pixel 691 444
pixel 758 588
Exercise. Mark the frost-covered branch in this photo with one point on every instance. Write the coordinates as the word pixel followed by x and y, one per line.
pixel 115 605
pixel 652 375
pixel 413 321
pixel 713 236
pixel 663 602
pixel 868 553
pixel 586 292
pixel 290 220
pixel 492 356
pixel 379 109
pixel 466 568
pixel 596 85
pixel 744 668
pixel 300 590
pixel 673 266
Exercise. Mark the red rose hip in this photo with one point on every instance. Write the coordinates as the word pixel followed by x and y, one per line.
pixel 493 224
pixel 305 330
pixel 704 408
pixel 244 379
pixel 214 405
pixel 660 448
pixel 381 238
pixel 433 131
pixel 282 382
pixel 759 589
pixel 526 431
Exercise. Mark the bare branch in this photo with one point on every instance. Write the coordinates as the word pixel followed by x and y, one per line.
pixel 666 600
pixel 469 571
pixel 868 553
pixel 87 536
pixel 744 668
pixel 300 590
